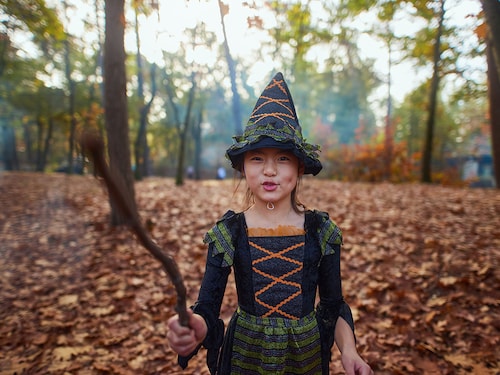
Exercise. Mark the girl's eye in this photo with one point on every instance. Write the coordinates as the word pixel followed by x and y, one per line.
pixel 284 158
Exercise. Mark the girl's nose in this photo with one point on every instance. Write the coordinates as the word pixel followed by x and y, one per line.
pixel 270 168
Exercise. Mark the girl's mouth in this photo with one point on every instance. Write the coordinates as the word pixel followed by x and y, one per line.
pixel 269 186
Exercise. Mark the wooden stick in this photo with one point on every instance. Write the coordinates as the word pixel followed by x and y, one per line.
pixel 95 146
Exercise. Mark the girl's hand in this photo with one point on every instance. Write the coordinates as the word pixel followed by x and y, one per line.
pixel 184 340
pixel 354 365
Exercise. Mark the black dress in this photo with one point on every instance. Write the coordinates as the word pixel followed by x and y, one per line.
pixel 277 280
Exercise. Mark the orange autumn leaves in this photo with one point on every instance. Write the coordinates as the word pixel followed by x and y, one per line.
pixel 419 265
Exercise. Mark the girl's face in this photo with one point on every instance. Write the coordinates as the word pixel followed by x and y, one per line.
pixel 271 174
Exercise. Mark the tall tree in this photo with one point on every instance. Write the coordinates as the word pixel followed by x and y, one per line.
pixel 197 143
pixel 410 125
pixel 386 13
pixel 492 12
pixel 93 115
pixel 141 147
pixel 236 102
pixel 115 92
pixel 188 119
pixel 71 96
pixel 182 126
pixel 39 20
pixel 422 47
pixel 494 99
pixel 8 147
pixel 433 95
pixel 389 141
pixel 334 91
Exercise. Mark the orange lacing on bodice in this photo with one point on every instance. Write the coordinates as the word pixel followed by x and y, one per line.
pixel 274 280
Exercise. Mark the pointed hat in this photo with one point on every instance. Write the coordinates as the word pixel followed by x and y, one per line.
pixel 274 123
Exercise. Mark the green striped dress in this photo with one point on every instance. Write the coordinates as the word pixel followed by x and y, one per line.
pixel 276 329
pixel 277 340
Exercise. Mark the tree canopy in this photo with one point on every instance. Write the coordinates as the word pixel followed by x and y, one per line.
pixel 343 97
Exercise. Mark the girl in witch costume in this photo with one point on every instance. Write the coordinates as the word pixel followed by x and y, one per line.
pixel 281 253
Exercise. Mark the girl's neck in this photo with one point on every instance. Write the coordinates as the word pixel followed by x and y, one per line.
pixel 260 216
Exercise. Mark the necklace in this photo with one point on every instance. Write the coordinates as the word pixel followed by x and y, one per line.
pixel 270 206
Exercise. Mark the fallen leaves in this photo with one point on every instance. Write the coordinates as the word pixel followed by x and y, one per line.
pixel 420 269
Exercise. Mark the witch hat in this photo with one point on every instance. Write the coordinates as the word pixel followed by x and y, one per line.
pixel 274 123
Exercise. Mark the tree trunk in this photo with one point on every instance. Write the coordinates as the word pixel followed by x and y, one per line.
pixel 179 178
pixel 140 140
pixel 28 141
pixel 431 120
pixel 71 105
pixel 491 10
pixel 141 147
pixel 115 86
pixel 39 143
pixel 232 74
pixel 97 70
pixel 44 152
pixel 388 121
pixel 494 99
pixel 197 145
pixel 9 153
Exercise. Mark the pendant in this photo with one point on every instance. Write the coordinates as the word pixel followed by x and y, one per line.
pixel 270 205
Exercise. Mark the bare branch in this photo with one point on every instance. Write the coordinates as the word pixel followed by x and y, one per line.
pixel 95 147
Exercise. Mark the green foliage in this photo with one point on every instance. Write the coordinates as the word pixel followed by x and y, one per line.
pixel 295 29
pixel 333 93
pixel 460 120
pixel 313 42
pixel 39 19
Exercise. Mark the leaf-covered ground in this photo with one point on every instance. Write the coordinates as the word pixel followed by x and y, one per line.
pixel 420 268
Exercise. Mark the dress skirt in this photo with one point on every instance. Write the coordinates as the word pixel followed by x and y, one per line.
pixel 257 345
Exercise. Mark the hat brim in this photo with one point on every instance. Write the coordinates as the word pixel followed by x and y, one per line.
pixel 311 166
pixel 265 142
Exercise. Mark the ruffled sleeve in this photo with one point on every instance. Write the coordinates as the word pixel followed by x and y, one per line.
pixel 220 240
pixel 331 304
pixel 330 235
pixel 330 280
pixel 219 259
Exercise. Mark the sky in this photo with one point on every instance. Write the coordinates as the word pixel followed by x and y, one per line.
pixel 176 16
pixel 243 41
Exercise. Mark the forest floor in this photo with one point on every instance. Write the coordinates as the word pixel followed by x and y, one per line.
pixel 420 267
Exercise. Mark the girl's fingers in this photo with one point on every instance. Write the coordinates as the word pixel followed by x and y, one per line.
pixel 180 336
pixel 182 345
pixel 184 340
pixel 174 324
